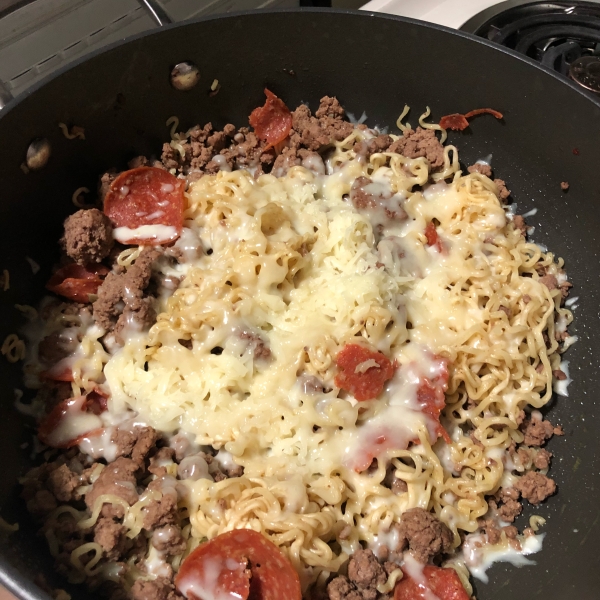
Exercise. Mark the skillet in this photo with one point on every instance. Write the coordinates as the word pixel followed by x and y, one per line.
pixel 373 63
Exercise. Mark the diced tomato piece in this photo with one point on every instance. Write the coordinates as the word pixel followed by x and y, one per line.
pixel 458 122
pixel 76 282
pixel 71 420
pixel 148 198
pixel 362 371
pixel 433 239
pixel 273 121
pixel 238 564
pixel 437 582
pixel 432 399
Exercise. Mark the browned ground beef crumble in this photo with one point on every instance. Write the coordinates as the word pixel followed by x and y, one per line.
pixel 141 452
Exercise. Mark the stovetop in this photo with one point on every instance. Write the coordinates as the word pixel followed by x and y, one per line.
pixel 563 36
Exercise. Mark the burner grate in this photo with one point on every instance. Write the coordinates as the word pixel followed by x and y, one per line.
pixel 556 34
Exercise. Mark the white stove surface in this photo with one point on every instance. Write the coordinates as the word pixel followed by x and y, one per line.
pixel 451 13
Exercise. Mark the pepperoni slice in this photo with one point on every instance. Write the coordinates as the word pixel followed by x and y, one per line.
pixel 431 397
pixel 437 582
pixel 484 111
pixel 76 282
pixel 455 121
pixel 273 121
pixel 238 564
pixel 458 122
pixel 70 421
pixel 59 372
pixel 433 239
pixel 145 205
pixel 362 371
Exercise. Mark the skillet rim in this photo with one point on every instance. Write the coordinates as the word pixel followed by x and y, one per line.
pixel 11 578
pixel 314 10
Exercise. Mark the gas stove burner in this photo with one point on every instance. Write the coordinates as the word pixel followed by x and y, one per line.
pixel 586 72
pixel 563 36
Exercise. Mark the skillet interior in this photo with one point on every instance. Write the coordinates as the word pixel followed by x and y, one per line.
pixel 373 63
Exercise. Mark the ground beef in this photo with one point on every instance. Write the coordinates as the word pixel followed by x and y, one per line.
pixel 492 531
pixel 169 540
pixel 128 288
pixel 88 236
pixel 341 589
pixel 424 534
pixel 319 131
pixel 135 443
pixel 111 536
pixel 365 573
pixel 536 431
pixel 55 347
pixel 542 459
pixel 520 224
pixel 379 144
pixel 564 186
pixel 118 479
pixel 482 168
pixel 535 487
pixel 549 281
pixel 159 513
pixel 156 589
pixel 256 343
pixel 364 570
pixel 503 191
pixel 41 503
pixel 417 143
pixel 510 510
pixel 62 482
pixel 104 185
pixel 398 486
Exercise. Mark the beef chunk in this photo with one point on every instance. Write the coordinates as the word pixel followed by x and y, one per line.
pixel 364 570
pixel 156 589
pixel 549 281
pixel 330 107
pixel 535 487
pixel 379 144
pixel 564 186
pixel 318 132
pixel 256 343
pixel 88 236
pixel 135 443
pixel 118 479
pixel 510 508
pixel 55 347
pixel 168 539
pixel 41 503
pixel 62 482
pixel 111 536
pixel 536 431
pixel 425 534
pixel 104 184
pixel 480 168
pixel 417 143
pixel 365 573
pixel 542 459
pixel 341 589
pixel 503 191
pixel 127 288
pixel 520 224
pixel 163 511
pixel 492 531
